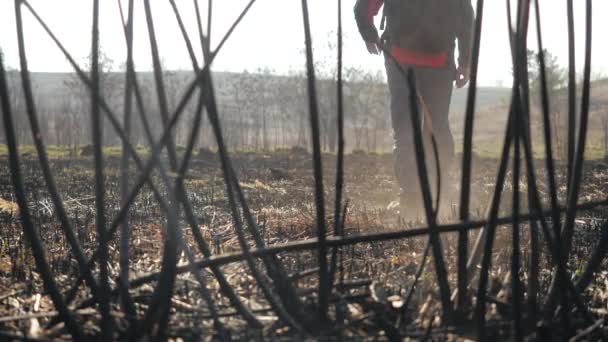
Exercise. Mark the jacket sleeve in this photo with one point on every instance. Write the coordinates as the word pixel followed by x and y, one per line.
pixel 365 11
pixel 465 32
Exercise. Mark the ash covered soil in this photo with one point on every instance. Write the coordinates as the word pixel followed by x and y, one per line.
pixel 372 281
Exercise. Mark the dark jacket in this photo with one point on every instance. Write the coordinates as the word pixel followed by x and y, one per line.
pixel 406 19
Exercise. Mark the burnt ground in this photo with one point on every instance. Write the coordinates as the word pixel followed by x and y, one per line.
pixel 279 187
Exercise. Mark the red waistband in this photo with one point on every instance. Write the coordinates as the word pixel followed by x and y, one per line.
pixel 433 60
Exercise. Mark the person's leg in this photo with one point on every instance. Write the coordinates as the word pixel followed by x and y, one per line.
pixel 435 87
pixel 403 150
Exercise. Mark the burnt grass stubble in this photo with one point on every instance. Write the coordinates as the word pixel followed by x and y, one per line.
pixel 373 278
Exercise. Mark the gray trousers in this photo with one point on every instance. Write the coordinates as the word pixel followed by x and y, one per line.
pixel 434 85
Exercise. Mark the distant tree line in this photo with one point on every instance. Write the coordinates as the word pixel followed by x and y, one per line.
pixel 557 81
pixel 260 111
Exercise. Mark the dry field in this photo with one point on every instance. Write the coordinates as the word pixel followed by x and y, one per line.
pixel 374 279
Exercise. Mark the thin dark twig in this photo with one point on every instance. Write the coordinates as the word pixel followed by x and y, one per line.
pixel 100 218
pixel 523 130
pixel 127 302
pixel 571 92
pixel 486 237
pixel 438 185
pixel 555 216
pixel 534 271
pixel 428 124
pixel 324 285
pixel 575 182
pixel 209 22
pixel 132 76
pixel 463 238
pixel 335 252
pixel 340 158
pixel 161 92
pixel 515 256
pixel 205 41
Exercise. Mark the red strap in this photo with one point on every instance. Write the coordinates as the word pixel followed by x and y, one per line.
pixel 423 59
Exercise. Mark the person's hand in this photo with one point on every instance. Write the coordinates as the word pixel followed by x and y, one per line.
pixel 373 47
pixel 462 76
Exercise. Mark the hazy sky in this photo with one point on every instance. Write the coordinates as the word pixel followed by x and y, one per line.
pixel 270 36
